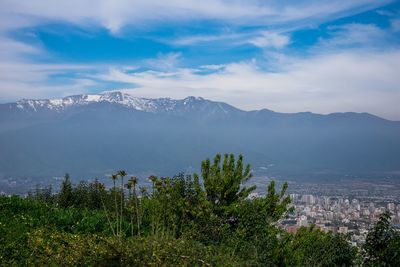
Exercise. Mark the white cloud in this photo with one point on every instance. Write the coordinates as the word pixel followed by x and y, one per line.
pixel 115 14
pixel 199 39
pixel 168 61
pixel 356 34
pixel 260 38
pixel 11 49
pixel 361 82
pixel 19 79
pixel 270 40
pixel 395 24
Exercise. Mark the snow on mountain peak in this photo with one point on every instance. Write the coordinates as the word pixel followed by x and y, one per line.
pixel 129 101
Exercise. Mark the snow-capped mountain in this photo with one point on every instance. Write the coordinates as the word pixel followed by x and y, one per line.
pixel 149 105
pixel 91 135
pixel 159 105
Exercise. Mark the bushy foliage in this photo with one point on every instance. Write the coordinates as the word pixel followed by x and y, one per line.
pixel 19 217
pixel 58 248
pixel 224 184
pixel 312 247
pixel 382 246
pixel 178 221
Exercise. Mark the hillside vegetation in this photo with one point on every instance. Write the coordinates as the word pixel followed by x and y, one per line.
pixel 178 221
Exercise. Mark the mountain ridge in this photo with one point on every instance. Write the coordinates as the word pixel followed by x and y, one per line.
pixel 153 105
pixel 91 138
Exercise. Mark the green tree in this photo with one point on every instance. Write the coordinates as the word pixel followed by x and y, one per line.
pixel 256 214
pixel 382 246
pixel 224 184
pixel 312 247
pixel 275 205
pixel 122 174
pixel 102 194
pixel 65 197
pixel 114 178
pixel 134 202
pixel 256 234
pixel 94 201
pixel 80 194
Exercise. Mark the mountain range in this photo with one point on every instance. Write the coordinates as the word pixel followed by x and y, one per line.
pixel 92 135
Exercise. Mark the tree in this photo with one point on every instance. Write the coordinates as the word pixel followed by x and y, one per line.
pixel 94 194
pixel 224 184
pixel 312 247
pixel 101 189
pixel 132 182
pixel 114 178
pixel 256 233
pixel 382 246
pixel 122 174
pixel 81 195
pixel 256 215
pixel 275 205
pixel 65 197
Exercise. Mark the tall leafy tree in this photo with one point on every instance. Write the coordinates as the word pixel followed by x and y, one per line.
pixel 312 247
pixel 65 197
pixel 114 178
pixel 122 174
pixel 224 181
pixel 131 185
pixel 382 246
pixel 275 205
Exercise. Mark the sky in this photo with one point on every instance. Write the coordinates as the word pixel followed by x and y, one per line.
pixel 288 56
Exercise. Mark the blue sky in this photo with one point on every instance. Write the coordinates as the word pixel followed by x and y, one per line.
pixel 289 56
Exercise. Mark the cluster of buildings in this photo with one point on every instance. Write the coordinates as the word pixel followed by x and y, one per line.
pixel 338 214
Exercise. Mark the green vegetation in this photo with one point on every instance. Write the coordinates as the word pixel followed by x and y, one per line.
pixel 176 222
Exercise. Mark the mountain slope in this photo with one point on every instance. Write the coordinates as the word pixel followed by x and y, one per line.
pixel 183 107
pixel 92 135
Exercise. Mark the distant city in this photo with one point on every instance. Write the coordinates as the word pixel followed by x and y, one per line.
pixel 348 207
